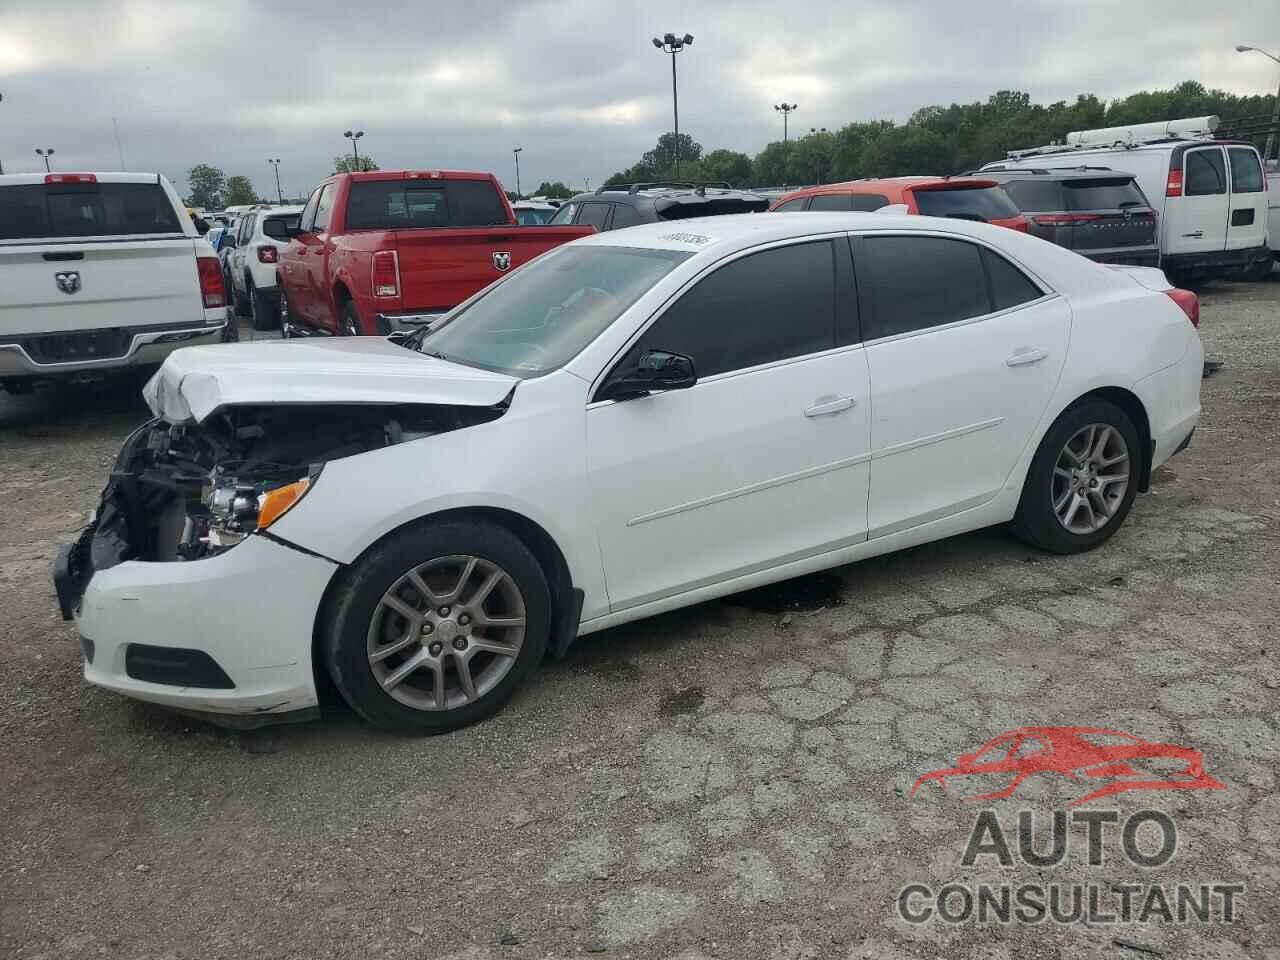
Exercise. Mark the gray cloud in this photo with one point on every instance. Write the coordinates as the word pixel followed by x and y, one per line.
pixel 577 84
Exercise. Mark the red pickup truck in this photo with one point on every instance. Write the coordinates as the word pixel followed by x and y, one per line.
pixel 389 250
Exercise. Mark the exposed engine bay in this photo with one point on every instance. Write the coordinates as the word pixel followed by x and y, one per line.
pixel 185 492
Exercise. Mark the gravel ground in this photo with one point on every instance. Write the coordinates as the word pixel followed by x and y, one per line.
pixel 732 780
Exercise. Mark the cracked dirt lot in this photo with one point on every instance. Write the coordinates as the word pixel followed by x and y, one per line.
pixel 724 781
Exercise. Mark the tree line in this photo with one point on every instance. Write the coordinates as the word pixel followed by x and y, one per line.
pixel 935 140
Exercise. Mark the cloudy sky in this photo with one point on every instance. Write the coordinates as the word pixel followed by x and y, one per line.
pixel 577 84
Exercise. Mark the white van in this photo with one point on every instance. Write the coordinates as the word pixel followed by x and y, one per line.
pixel 1210 195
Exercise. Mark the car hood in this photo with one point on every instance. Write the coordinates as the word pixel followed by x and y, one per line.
pixel 196 381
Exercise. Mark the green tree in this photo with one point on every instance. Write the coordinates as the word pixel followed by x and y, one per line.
pixel 205 184
pixel 238 190
pixel 556 191
pixel 810 159
pixel 348 164
pixel 729 166
pixel 769 168
pixel 661 159
pixel 850 142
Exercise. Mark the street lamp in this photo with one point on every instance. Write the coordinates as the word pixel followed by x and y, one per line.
pixel 46 153
pixel 276 163
pixel 355 150
pixel 516 154
pixel 1275 113
pixel 817 133
pixel 672 44
pixel 785 109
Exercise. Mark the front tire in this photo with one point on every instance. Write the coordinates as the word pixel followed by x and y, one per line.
pixel 1082 480
pixel 434 628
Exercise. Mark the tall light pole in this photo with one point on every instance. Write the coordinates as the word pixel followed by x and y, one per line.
pixel 276 163
pixel 355 150
pixel 46 153
pixel 1275 114
pixel 516 153
pixel 785 109
pixel 818 133
pixel 672 44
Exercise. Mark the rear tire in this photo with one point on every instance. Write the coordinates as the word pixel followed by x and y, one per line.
pixel 408 608
pixel 351 325
pixel 284 313
pixel 1258 272
pixel 1078 490
pixel 265 314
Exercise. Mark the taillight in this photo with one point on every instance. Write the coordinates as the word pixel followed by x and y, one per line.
pixel 267 254
pixel 1189 303
pixel 211 288
pixel 1064 219
pixel 386 274
pixel 1173 187
pixel 70 178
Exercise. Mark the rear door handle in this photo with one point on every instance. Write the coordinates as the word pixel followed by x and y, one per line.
pixel 829 405
pixel 1198 235
pixel 1025 356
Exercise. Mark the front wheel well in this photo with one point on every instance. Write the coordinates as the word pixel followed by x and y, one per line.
pixel 566 605
pixel 1132 406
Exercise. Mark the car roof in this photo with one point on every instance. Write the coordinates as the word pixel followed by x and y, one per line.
pixel 890 185
pixel 624 193
pixel 20 179
pixel 273 211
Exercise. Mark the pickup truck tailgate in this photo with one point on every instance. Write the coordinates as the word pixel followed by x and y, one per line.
pixel 90 285
pixel 439 268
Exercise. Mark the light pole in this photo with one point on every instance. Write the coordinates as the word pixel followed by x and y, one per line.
pixel 516 153
pixel 355 150
pixel 817 133
pixel 1 162
pixel 1275 113
pixel 785 109
pixel 46 153
pixel 672 44
pixel 279 193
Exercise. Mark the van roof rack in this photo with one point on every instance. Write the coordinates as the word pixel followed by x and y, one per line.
pixel 1128 137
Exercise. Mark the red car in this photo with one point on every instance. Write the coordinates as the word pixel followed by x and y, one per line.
pixel 967 198
pixel 394 249
pixel 1079 753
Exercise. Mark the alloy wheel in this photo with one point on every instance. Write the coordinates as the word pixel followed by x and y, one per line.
pixel 446 633
pixel 1090 478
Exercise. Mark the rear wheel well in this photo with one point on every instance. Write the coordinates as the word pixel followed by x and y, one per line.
pixel 532 535
pixel 341 294
pixel 1131 405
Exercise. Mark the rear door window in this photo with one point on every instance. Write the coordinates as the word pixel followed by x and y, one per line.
pixel 1206 173
pixel 919 282
pixel 1036 196
pixel 1010 287
pixel 1246 172
pixel 977 203
pixel 46 211
pixel 831 201
pixel 868 202
pixel 1120 193
pixel 595 214
pixel 625 216
pixel 409 204
pixel 792 206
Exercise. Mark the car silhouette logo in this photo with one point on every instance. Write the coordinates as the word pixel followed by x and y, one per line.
pixel 1081 754
pixel 502 260
pixel 68 281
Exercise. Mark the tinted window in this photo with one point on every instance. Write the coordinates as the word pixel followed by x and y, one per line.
pixel 1246 174
pixel 1009 285
pixel 324 207
pixel 791 206
pixel 710 207
pixel 565 214
pixel 529 217
pixel 595 214
pixel 919 282
pixel 1036 196
pixel 1118 194
pixel 1206 173
pixel 309 211
pixel 37 210
pixel 867 202
pixel 246 229
pixel 409 204
pixel 982 203
pixel 764 307
pixel 831 201
pixel 277 228
pixel 624 216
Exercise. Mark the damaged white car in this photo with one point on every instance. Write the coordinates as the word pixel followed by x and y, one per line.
pixel 634 422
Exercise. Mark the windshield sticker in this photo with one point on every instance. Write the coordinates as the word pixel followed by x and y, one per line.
pixel 695 238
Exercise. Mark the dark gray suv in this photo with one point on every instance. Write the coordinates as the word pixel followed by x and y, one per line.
pixel 1099 213
pixel 615 207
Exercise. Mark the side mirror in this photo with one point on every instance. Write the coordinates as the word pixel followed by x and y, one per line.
pixel 658 370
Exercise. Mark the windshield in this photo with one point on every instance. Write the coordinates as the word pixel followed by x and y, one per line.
pixel 541 316
pixel 532 216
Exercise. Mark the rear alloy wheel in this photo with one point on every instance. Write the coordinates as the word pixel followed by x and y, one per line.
pixel 435 628
pixel 265 316
pixel 351 326
pixel 1082 480
pixel 287 329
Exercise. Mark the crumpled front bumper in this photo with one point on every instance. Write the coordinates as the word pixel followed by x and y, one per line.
pixel 251 610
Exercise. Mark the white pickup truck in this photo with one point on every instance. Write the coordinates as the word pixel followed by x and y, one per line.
pixel 98 272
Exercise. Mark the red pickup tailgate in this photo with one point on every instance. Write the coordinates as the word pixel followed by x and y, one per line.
pixel 439 268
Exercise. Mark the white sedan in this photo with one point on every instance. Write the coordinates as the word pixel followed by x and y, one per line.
pixel 634 422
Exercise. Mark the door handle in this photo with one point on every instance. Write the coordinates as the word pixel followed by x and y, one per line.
pixel 829 405
pixel 1024 356
pixel 1198 235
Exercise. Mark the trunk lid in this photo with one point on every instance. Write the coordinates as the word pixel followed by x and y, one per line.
pixel 196 381
pixel 1109 213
